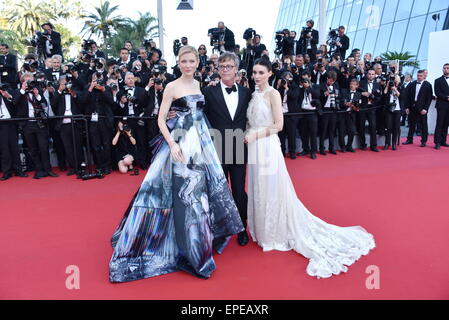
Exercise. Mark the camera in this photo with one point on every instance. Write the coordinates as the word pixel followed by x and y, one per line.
pixel 28 65
pixel 249 33
pixel 87 45
pixel 39 38
pixel 215 34
pixel 147 43
pixel 158 81
pixel 4 86
pixel 98 64
pixel 176 47
pixel 158 70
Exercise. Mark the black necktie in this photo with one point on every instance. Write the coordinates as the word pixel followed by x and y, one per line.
pixel 231 89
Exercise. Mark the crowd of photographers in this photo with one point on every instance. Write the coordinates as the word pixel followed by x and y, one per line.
pixel 108 107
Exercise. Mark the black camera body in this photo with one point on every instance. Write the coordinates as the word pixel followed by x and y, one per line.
pixel 176 47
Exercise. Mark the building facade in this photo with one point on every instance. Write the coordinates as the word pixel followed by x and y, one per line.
pixel 374 26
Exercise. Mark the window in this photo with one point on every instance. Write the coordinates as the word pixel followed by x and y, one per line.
pixel 413 36
pixel 404 8
pixel 353 22
pixel 370 40
pixel 389 11
pixel 439 5
pixel 365 14
pixel 382 39
pixel 346 12
pixel 359 40
pixel 420 7
pixel 337 16
pixel 397 36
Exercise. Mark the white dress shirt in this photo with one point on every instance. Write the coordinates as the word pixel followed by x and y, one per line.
pixel 231 99
pixel 4 113
pixel 418 88
pixel 68 109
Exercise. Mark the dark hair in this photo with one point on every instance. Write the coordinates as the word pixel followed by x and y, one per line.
pixel 342 27
pixel 306 73
pixel 124 49
pixel 354 80
pixel 332 75
pixel 128 41
pixel 446 64
pixel 263 62
pixel 47 24
pixel 311 21
pixel 421 71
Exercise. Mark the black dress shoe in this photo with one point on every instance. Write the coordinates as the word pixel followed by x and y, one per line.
pixel 386 147
pixel 38 175
pixel 71 173
pixel 394 148
pixel 322 153
pixel 242 238
pixel 408 142
pixel 445 145
pixel 332 151
pixel 292 156
pixel 6 177
pixel 21 174
pixel 374 149
pixel 106 171
pixel 422 145
pixel 313 156
pixel 51 174
pixel 304 153
pixel 363 147
pixel 438 146
pixel 350 149
pixel 343 150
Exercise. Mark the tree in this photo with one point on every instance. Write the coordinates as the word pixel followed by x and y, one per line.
pixel 405 59
pixel 143 27
pixel 13 40
pixel 102 23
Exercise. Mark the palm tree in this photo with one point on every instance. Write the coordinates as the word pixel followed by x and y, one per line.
pixel 27 16
pixel 143 27
pixel 102 22
pixel 405 58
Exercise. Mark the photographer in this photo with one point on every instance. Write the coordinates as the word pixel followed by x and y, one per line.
pixel 30 104
pixel 242 78
pixel 99 105
pixel 9 140
pixel 319 75
pixel 52 41
pixel 342 42
pixel 132 101
pixel 289 91
pixel 55 72
pixel 141 76
pixel 66 102
pixel 8 66
pixel 125 58
pixel 128 45
pixel 30 65
pixel 309 103
pixel 309 39
pixel 393 111
pixel 125 147
pixel 351 99
pixel 222 39
pixel 371 94
pixel 143 58
pixel 329 99
pixel 155 90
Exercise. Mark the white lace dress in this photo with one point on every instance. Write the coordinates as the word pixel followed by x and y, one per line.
pixel 278 220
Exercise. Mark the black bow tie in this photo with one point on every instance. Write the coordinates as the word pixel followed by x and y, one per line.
pixel 419 83
pixel 352 92
pixel 231 89
pixel 447 78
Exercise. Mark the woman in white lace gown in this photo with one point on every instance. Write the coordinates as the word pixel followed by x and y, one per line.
pixel 277 219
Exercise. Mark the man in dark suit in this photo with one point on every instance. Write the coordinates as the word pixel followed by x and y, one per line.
pixel 128 45
pixel 9 141
pixel 442 106
pixel 55 72
pixel 342 42
pixel 8 66
pixel 371 92
pixel 289 91
pixel 351 100
pixel 53 42
pixel 31 104
pixel 125 59
pixel 309 103
pixel 329 99
pixel 67 102
pixel 226 105
pixel 95 52
pixel 227 38
pixel 418 97
pixel 132 101
pixel 309 40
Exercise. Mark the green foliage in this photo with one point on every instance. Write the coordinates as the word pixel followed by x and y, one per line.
pixel 405 58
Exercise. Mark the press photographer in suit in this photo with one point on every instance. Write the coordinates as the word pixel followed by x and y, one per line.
pixel 53 41
pixel 418 97
pixel 442 106
pixel 8 66
pixel 309 40
pixel 351 100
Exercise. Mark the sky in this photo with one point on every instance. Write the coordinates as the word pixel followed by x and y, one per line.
pixel 238 15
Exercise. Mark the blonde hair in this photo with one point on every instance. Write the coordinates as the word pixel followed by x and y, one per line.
pixel 189 49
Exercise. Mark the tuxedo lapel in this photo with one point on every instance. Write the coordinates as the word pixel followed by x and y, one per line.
pixel 221 101
pixel 240 104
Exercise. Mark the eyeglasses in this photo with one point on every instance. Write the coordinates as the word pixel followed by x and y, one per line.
pixel 226 67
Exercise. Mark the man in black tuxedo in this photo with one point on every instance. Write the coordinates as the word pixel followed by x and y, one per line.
pixel 31 104
pixel 67 102
pixel 371 92
pixel 95 52
pixel 289 91
pixel 342 42
pixel 226 105
pixel 8 66
pixel 55 72
pixel 309 40
pixel 125 59
pixel 99 104
pixel 442 106
pixel 128 45
pixel 351 100
pixel 9 141
pixel 132 101
pixel 309 103
pixel 53 42
pixel 227 38
pixel 329 99
pixel 418 97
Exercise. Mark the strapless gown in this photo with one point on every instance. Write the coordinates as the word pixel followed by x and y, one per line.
pixel 181 212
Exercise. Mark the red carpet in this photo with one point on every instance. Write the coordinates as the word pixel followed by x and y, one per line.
pixel 400 197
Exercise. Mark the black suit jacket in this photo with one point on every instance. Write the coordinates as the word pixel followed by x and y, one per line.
pixel 101 103
pixel 142 100
pixel 345 46
pixel 149 108
pixel 229 40
pixel 442 92
pixel 377 92
pixel 56 42
pixel 49 74
pixel 315 91
pixel 9 63
pixel 323 99
pixel 9 104
pixel 219 118
pixel 313 42
pixel 20 101
pixel 58 105
pixel 425 96
pixel 292 97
